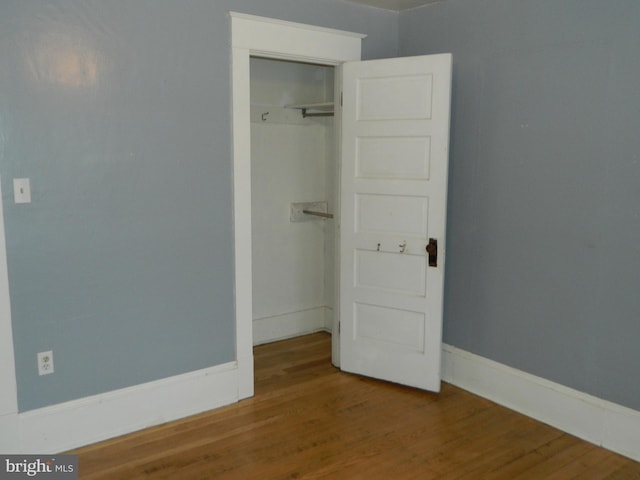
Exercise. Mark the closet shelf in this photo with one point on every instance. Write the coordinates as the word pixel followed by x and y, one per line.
pixel 324 109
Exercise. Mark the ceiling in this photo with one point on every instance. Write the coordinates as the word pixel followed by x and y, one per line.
pixel 395 4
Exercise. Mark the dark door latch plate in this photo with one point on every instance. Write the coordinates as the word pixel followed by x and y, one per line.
pixel 432 250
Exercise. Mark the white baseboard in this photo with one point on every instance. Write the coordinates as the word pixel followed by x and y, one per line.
pixel 88 420
pixel 328 319
pixel 80 422
pixel 287 325
pixel 598 421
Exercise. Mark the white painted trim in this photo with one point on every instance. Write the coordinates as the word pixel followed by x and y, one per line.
pixel 274 38
pixel 290 324
pixel 337 220
pixel 240 81
pixel 258 22
pixel 328 319
pixel 598 421
pixel 91 419
pixel 8 385
pixel 270 38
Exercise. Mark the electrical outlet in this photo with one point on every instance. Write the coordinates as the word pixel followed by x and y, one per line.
pixel 45 363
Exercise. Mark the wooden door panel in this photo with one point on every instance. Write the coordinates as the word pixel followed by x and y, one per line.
pixel 393 204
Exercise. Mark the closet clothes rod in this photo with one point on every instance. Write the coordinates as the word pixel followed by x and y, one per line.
pixel 318 214
pixel 319 114
pixel 323 109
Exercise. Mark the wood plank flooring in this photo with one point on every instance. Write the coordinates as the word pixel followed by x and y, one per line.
pixel 308 420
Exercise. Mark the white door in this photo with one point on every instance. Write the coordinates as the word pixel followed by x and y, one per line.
pixel 395 150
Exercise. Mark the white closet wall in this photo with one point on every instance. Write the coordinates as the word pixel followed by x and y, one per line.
pixel 292 160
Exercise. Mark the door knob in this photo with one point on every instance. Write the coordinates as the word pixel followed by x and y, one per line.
pixel 432 251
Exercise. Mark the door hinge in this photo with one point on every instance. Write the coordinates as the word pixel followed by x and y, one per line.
pixel 341 94
pixel 339 326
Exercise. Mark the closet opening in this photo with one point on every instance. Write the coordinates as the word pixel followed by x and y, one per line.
pixel 294 197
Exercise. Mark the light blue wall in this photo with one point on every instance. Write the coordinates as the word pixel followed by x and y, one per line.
pixel 544 213
pixel 122 264
pixel 119 113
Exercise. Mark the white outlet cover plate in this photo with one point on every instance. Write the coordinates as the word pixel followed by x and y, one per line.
pixel 45 362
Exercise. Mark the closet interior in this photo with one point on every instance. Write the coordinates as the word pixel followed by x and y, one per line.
pixel 293 198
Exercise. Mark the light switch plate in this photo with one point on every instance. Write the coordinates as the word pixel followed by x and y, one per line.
pixel 22 190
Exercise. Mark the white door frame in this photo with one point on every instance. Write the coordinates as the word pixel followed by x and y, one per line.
pixel 8 384
pixel 270 38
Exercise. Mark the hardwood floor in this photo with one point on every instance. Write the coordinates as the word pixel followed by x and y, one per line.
pixel 308 420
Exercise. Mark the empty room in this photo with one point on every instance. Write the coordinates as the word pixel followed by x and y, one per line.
pixel 320 238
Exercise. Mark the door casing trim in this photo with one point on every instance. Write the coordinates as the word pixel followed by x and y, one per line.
pixel 277 39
